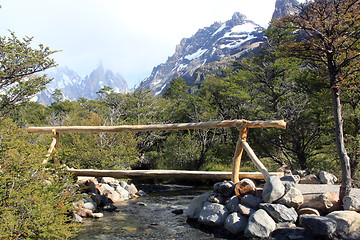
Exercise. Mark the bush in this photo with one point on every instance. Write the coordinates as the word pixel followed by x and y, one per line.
pixel 35 202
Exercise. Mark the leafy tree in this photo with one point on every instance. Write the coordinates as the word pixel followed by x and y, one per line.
pixel 331 30
pixel 177 89
pixel 18 65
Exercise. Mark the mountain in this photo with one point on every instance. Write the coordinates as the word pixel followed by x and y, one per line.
pixel 235 37
pixel 284 7
pixel 212 49
pixel 73 86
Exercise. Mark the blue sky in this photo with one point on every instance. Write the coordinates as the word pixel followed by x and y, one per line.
pixel 127 37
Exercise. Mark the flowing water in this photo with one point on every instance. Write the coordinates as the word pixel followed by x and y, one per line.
pixel 151 217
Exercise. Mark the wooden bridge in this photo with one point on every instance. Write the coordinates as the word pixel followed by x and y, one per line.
pixel 235 175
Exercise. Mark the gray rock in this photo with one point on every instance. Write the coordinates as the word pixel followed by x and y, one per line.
pixel 107 188
pixel 347 221
pixel 251 201
pixel 291 178
pixel 327 178
pixel 288 185
pixel 141 193
pixel 279 212
pixel 97 215
pixel 124 193
pixel 196 205
pixel 225 188
pixel 77 217
pixel 131 189
pixel 351 203
pixel 318 225
pixel 260 225
pixel 292 198
pixel 273 190
pixel 244 210
pixel 310 179
pixel 90 205
pixel 292 233
pixel 236 223
pixel 217 198
pixel 232 204
pixel 213 214
pixel 96 198
pixel 123 184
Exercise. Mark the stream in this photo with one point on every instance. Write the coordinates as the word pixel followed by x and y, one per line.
pixel 152 217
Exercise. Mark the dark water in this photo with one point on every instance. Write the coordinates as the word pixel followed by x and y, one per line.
pixel 151 217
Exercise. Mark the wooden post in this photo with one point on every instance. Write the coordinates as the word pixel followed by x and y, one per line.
pixel 54 144
pixel 238 153
pixel 255 160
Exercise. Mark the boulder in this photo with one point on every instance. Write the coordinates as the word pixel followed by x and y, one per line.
pixel 96 198
pixel 213 214
pixel 217 198
pixel 196 205
pixel 77 218
pixel 292 233
pixel 123 184
pixel 327 178
pixel 125 194
pixel 318 225
pixel 225 188
pixel 107 188
pixel 90 205
pixel 291 178
pixel 245 186
pixel 260 225
pixel 114 196
pixel 347 221
pixel 83 212
pixel 301 173
pixel 308 211
pixel 292 198
pixel 232 204
pixel 279 212
pixel 97 215
pixel 236 223
pixel 244 210
pixel 351 203
pixel 310 179
pixel 273 190
pixel 131 189
pixel 251 201
pixel 109 180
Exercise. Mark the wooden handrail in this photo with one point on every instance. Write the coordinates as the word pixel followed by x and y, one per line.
pixel 160 127
pixel 242 125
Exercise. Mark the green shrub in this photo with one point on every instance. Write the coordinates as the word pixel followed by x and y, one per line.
pixel 35 202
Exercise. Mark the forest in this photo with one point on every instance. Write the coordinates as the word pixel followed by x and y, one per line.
pixel 309 63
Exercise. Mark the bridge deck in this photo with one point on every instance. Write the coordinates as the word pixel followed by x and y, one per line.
pixel 178 174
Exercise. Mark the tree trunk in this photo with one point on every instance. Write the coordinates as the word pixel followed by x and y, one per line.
pixel 340 145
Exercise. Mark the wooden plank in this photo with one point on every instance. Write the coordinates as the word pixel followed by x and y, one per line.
pixel 178 174
pixel 160 127
pixel 255 160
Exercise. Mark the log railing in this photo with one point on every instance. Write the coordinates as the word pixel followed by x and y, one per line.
pixel 242 125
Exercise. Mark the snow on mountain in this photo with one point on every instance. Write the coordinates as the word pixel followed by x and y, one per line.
pixel 73 86
pixel 234 37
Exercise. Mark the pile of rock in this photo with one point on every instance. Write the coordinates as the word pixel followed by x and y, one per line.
pixel 102 195
pixel 278 209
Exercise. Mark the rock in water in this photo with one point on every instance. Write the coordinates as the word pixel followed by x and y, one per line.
pixel 273 190
pixel 260 225
pixel 236 223
pixel 213 214
pixel 196 205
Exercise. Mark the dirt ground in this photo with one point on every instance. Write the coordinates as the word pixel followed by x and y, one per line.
pixel 322 188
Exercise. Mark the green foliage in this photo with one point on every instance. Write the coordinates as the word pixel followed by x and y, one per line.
pixel 35 201
pixel 18 65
